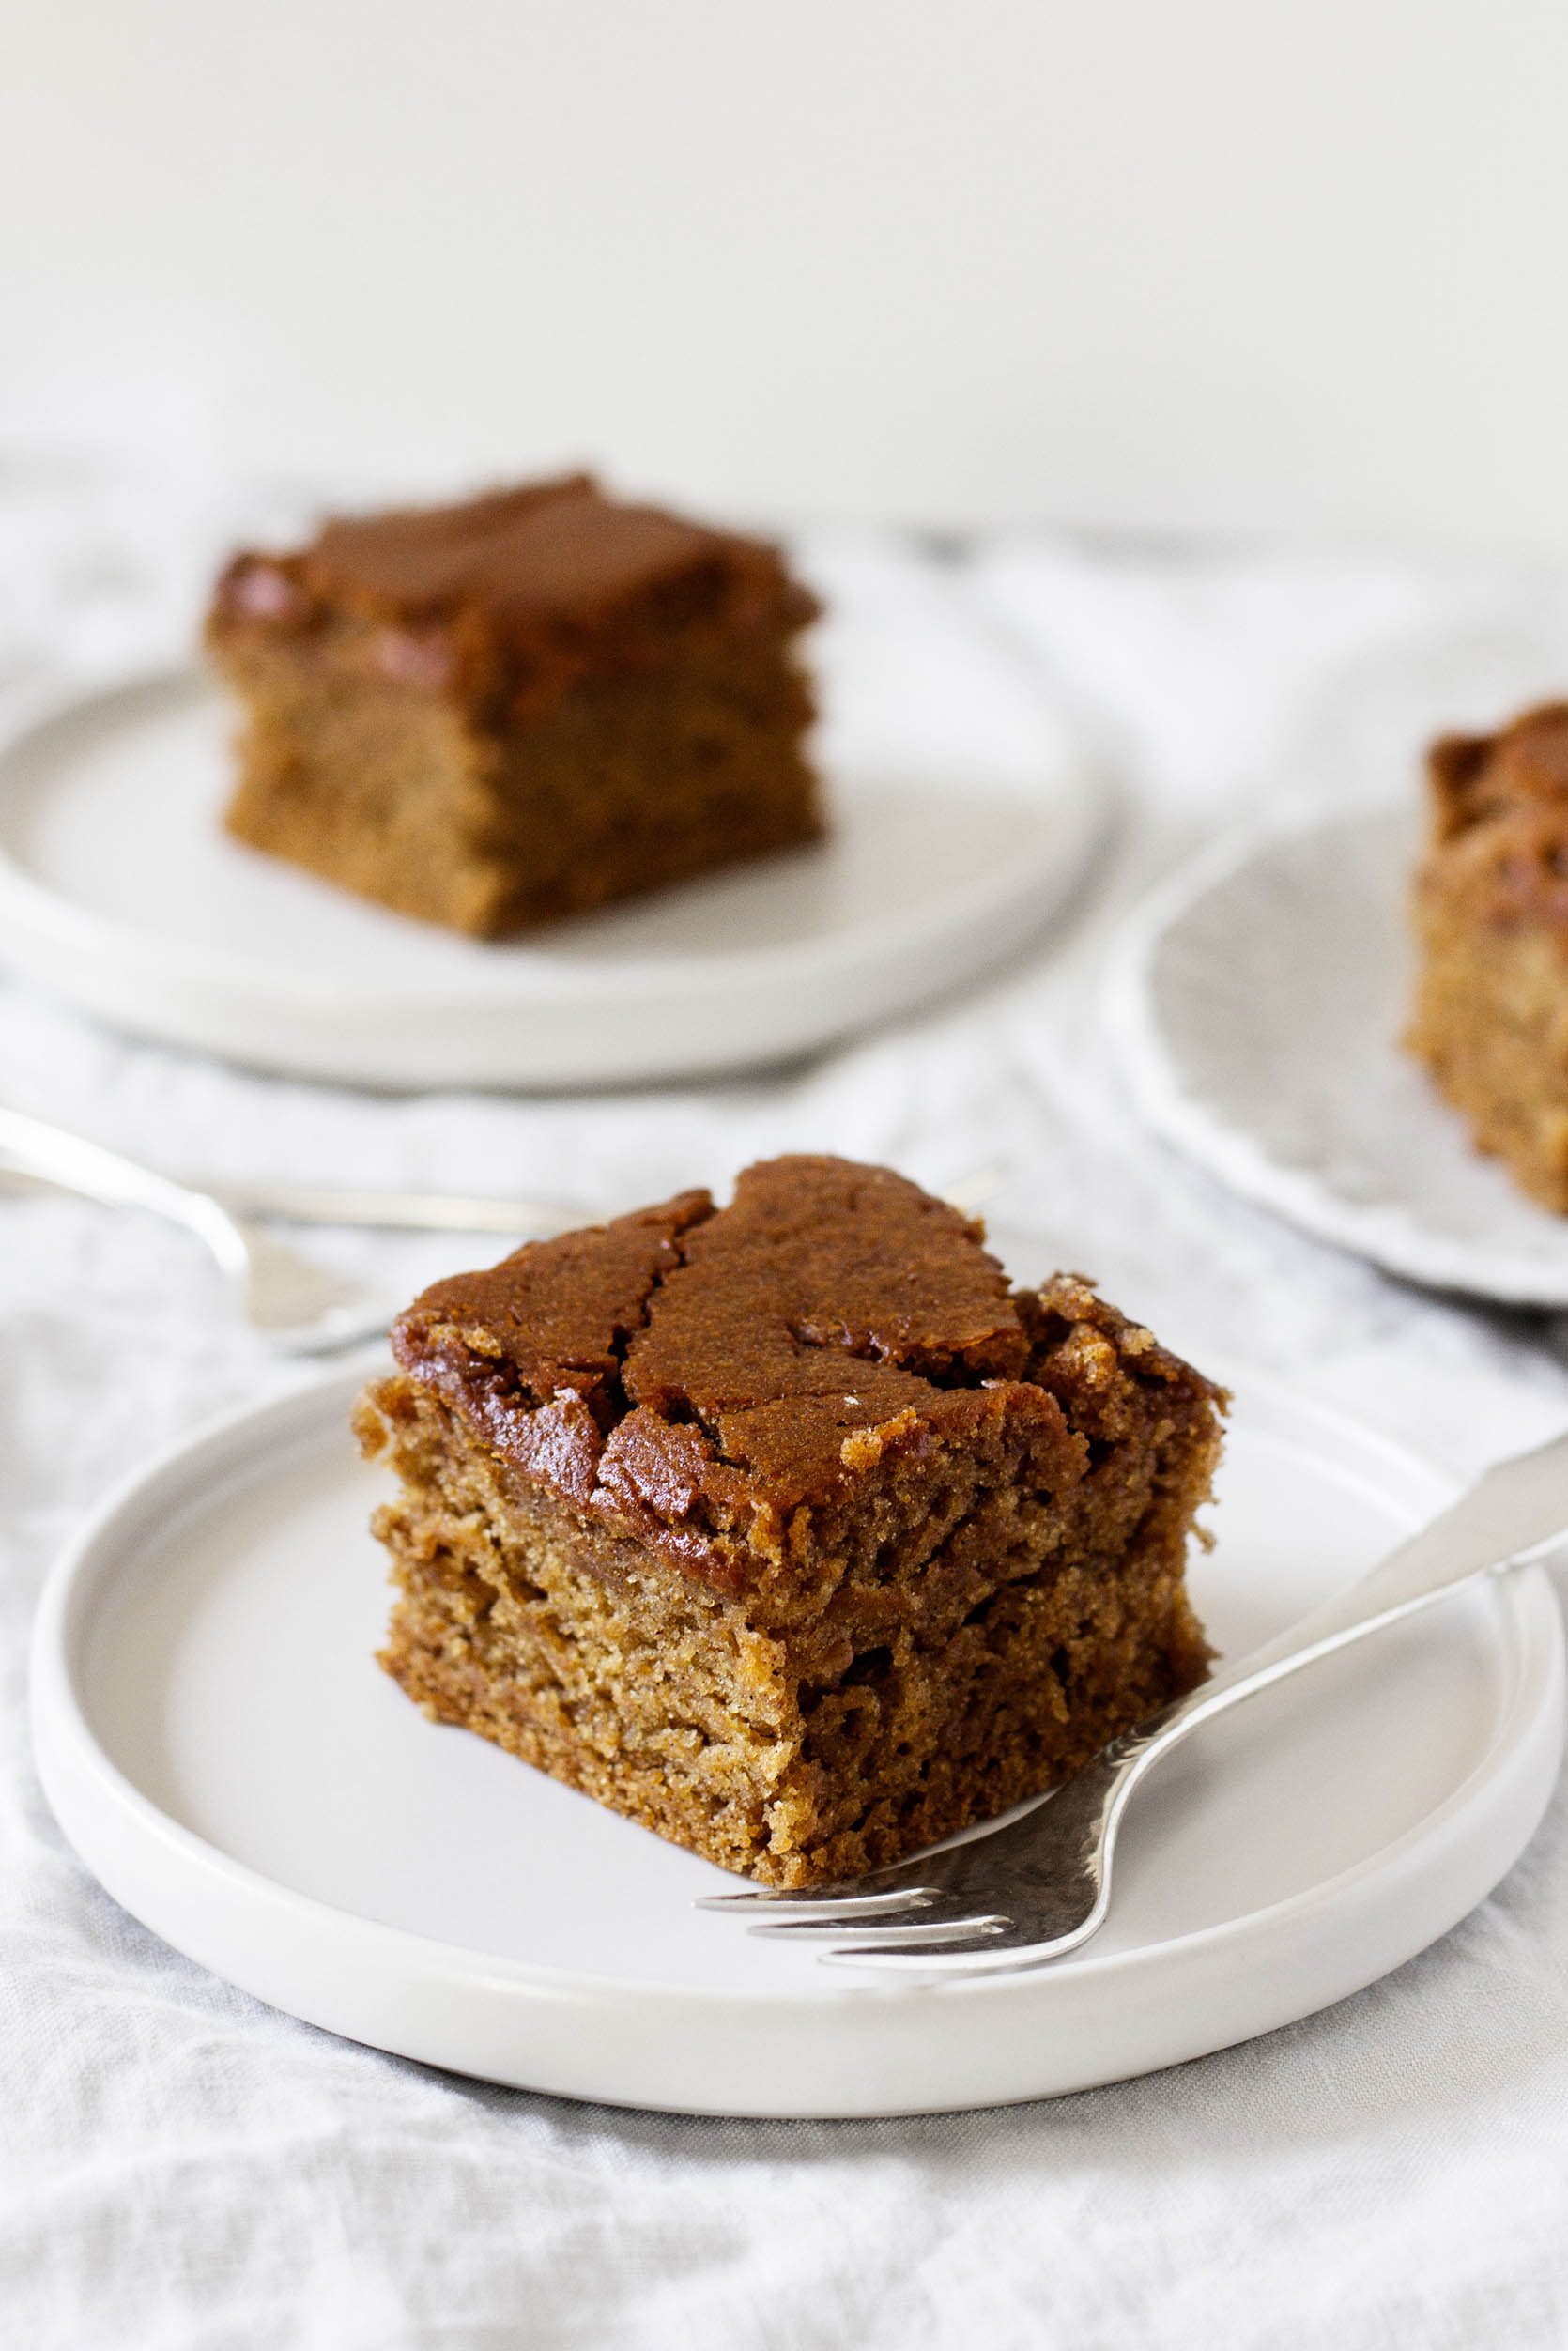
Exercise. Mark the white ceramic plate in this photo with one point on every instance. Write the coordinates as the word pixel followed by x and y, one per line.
pixel 223 1753
pixel 956 836
pixel 1256 1002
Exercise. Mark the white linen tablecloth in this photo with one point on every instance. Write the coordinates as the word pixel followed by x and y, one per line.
pixel 184 2170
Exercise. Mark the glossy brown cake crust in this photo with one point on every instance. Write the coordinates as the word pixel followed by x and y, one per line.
pixel 499 712
pixel 1490 911
pixel 788 1528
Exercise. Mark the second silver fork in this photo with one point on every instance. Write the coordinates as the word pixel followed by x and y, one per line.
pixel 292 1301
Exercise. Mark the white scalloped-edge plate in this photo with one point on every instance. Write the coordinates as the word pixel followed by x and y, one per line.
pixel 962 814
pixel 1256 1002
pixel 221 1751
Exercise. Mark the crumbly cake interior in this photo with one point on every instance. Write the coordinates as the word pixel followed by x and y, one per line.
pixel 1491 1024
pixel 497 715
pixel 1490 911
pixel 806 1634
pixel 630 784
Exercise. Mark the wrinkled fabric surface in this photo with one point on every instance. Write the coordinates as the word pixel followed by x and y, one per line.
pixel 184 2170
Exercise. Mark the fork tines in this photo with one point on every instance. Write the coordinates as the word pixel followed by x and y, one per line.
pixel 896 1917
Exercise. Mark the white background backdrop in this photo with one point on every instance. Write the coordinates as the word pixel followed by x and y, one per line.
pixel 1133 264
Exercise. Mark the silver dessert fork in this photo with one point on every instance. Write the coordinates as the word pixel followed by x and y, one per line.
pixel 298 1305
pixel 1040 1886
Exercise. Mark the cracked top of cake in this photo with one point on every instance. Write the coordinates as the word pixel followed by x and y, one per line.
pixel 1499 820
pixel 551 576
pixel 688 1365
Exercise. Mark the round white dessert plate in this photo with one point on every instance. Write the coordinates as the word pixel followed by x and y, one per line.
pixel 222 1752
pixel 962 811
pixel 1256 1002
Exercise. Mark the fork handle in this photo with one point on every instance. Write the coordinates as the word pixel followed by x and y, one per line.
pixel 29 1146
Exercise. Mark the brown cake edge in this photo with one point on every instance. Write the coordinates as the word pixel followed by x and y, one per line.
pixel 1489 913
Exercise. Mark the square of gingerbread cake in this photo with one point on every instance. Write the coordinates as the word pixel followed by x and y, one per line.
pixel 497 713
pixel 1491 918
pixel 788 1528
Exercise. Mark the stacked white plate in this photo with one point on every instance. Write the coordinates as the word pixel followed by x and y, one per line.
pixel 1256 1002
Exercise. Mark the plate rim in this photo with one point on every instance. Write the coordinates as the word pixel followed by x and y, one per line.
pixel 1233 1155
pixel 1071 785
pixel 1527 1736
